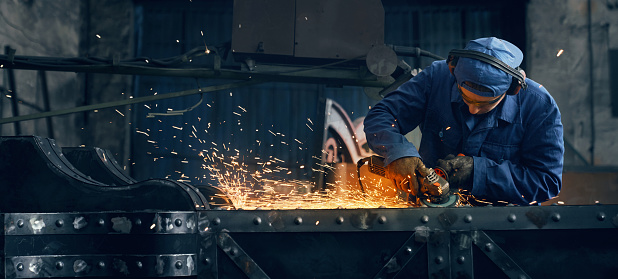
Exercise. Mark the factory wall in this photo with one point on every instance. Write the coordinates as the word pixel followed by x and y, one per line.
pixel 37 28
pixel 568 52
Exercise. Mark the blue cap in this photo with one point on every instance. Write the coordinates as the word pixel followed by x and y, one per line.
pixel 481 73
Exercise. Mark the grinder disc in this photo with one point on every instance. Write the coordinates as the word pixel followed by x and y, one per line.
pixel 451 201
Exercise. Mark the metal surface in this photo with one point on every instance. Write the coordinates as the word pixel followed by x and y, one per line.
pixel 97 163
pixel 263 27
pixel 100 244
pixel 332 29
pixel 462 242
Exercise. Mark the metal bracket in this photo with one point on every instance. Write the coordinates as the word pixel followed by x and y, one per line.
pixel 401 258
pixel 240 257
pixel 461 252
pixel 498 256
pixel 438 254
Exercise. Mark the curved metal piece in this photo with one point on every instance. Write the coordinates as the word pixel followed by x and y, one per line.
pixel 97 163
pixel 36 177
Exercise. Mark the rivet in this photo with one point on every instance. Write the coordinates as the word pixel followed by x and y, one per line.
pixel 101 222
pixel 461 259
pixel 601 216
pixel 512 218
pixel 139 264
pixel 555 217
pixel 178 264
pixel 233 251
pixel 101 264
pixel 59 265
pixel 468 218
pixel 59 223
pixel 20 266
pixel 439 259
pixel 489 247
pixel 20 223
pixel 298 220
pixel 425 219
pixel 382 219
pixel 178 222
pixel 206 261
pixel 408 250
pixel 138 221
pixel 257 220
pixel 216 221
pixel 339 220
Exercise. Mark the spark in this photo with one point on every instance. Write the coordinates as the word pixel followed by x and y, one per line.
pixel 119 112
pixel 141 132
pixel 559 52
pixel 177 128
pixel 309 127
pixel 98 36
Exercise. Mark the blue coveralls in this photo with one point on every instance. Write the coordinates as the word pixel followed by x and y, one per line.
pixel 518 147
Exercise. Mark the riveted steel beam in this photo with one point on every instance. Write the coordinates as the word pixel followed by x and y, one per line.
pixel 240 257
pixel 401 258
pixel 498 256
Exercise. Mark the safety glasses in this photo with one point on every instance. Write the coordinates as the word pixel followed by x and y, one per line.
pixel 477 103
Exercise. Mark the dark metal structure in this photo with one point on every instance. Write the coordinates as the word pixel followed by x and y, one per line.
pixel 168 230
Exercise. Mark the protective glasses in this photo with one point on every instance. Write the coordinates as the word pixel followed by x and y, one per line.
pixel 477 103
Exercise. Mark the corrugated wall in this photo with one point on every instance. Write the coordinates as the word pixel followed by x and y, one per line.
pixel 253 125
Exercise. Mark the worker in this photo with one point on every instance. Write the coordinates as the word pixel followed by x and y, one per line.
pixel 496 133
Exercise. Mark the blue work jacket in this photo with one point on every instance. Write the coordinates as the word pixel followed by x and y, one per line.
pixel 518 147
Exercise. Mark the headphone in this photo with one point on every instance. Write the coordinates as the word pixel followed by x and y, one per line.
pixel 519 76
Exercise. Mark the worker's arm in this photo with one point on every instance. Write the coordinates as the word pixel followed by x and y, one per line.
pixel 396 115
pixel 537 176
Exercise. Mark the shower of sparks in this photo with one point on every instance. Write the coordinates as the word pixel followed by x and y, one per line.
pixel 250 180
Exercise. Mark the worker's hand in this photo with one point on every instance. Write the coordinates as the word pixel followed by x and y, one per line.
pixel 459 169
pixel 403 172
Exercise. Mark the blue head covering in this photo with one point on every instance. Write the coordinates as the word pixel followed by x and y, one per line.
pixel 481 73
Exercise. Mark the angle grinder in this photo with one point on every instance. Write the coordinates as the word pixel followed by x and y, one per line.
pixel 434 190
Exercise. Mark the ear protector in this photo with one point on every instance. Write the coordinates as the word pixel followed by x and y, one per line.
pixel 519 76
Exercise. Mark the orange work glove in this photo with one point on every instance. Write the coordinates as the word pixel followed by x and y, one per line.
pixel 403 172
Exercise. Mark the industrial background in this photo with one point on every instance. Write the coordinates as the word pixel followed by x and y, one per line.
pixel 214 92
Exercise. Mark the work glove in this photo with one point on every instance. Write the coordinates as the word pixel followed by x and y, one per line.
pixel 459 170
pixel 403 172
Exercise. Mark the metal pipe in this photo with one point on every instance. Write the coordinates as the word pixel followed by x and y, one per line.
pixel 591 76
pixel 127 102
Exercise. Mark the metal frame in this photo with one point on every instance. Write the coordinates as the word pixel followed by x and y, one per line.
pixel 435 242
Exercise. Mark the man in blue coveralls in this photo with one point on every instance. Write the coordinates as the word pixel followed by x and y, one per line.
pixel 506 128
